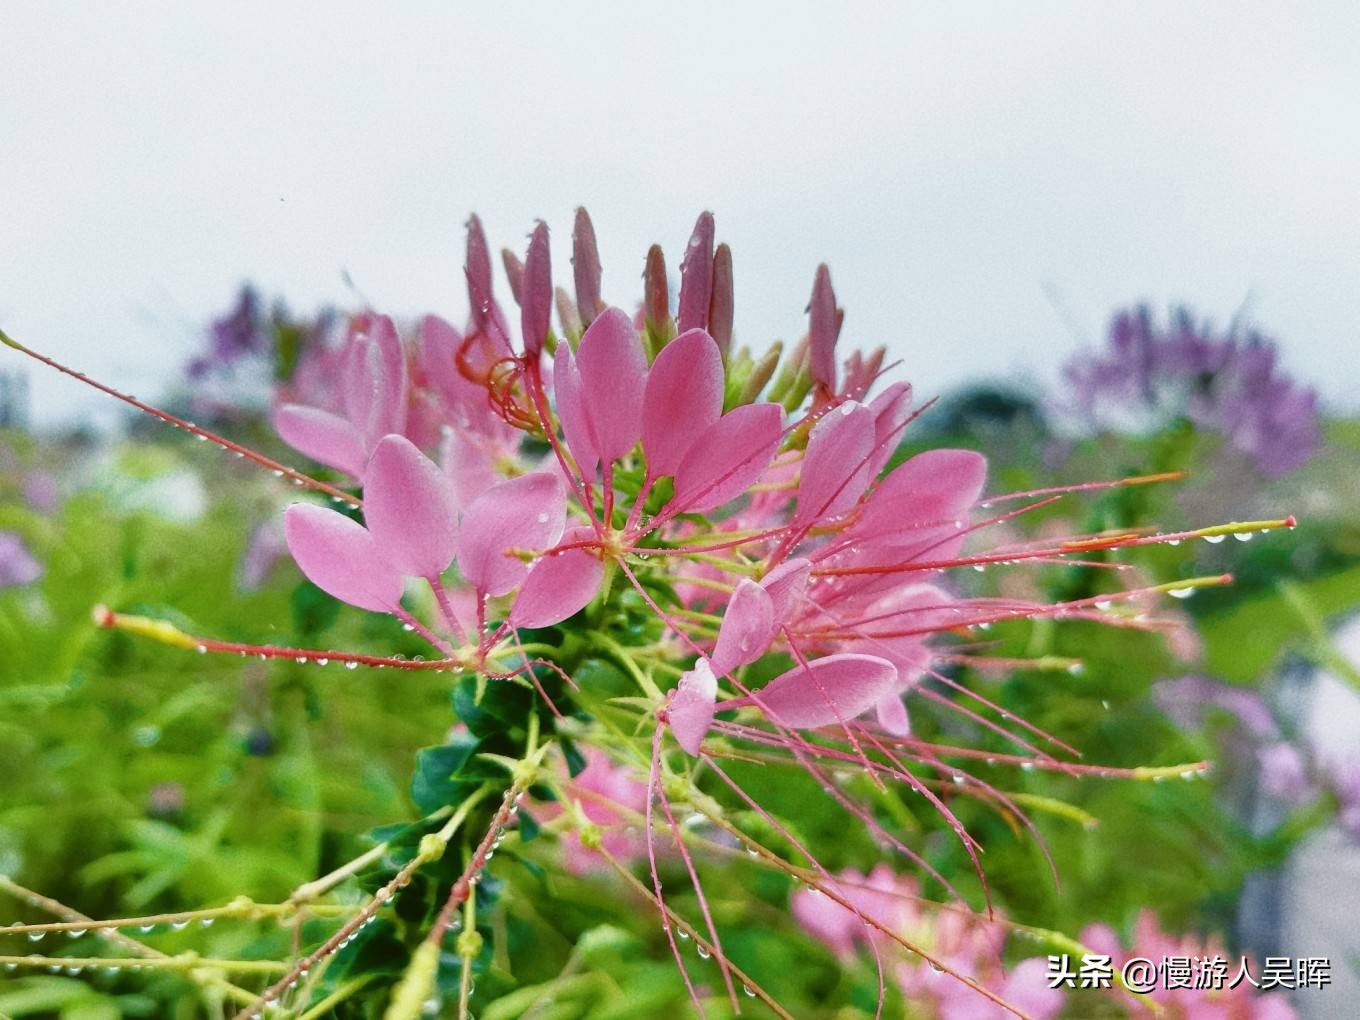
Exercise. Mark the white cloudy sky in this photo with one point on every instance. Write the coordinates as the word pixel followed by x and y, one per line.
pixel 985 184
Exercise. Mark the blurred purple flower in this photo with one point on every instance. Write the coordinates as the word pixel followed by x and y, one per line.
pixel 41 492
pixel 242 332
pixel 1227 384
pixel 1345 782
pixel 17 565
pixel 264 548
pixel 1284 773
pixel 1185 698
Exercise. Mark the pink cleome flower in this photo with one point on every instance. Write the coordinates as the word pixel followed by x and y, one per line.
pixel 739 497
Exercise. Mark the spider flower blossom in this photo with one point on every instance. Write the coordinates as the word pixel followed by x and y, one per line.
pixel 971 944
pixel 1179 1001
pixel 560 481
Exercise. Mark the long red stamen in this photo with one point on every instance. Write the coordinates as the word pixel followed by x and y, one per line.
pixel 280 470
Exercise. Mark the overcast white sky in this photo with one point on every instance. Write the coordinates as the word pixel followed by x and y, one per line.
pixel 957 169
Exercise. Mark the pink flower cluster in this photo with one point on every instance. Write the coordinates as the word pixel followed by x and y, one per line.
pixel 967 943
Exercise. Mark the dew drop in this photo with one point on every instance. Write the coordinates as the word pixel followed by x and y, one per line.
pixel 1027 766
pixel 37 936
pixel 351 665
pixel 1181 593
pixel 1214 539
pixel 178 925
pixel 1105 705
pixel 301 660
pixel 277 473
pixel 1104 604
pixel 207 922
pixel 407 627
pixel 748 991
pixel 936 967
pixel 980 567
pixel 75 933
pixel 1244 536
pixel 1173 542
pixel 704 954
pixel 323 662
pixel 144 928
pixel 682 933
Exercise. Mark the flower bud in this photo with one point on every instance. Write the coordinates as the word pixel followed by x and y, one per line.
pixel 721 303
pixel 696 276
pixel 824 326
pixel 585 267
pixel 536 297
pixel 656 291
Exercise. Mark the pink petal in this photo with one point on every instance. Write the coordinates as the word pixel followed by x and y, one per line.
pixel 525 513
pixel 696 276
pixel 684 396
pixel 932 487
pixel 390 415
pixel 559 585
pixel 585 268
pixel 339 556
pixel 374 380
pixel 469 463
pixel 409 508
pixel 692 705
pixel 326 438
pixel 728 457
pixel 537 293
pixel 829 690
pixel 891 408
pixel 571 411
pixel 613 376
pixel 439 343
pixel 823 330
pixel 836 467
pixel 747 628
pixel 786 584
pixel 361 382
pixel 892 714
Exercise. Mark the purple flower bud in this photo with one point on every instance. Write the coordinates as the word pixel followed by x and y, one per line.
pixel 478 271
pixel 655 289
pixel 721 305
pixel 696 276
pixel 824 326
pixel 567 313
pixel 585 267
pixel 514 272
pixel 536 297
